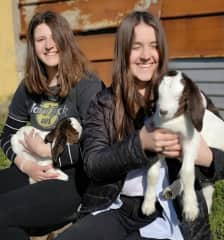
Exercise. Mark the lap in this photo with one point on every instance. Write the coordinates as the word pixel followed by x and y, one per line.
pixel 12 178
pixel 101 226
pixel 105 225
pixel 41 204
pixel 120 224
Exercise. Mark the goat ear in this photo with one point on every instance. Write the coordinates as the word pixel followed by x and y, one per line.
pixel 58 148
pixel 194 103
pixel 50 137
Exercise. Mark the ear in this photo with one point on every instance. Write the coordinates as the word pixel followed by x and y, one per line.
pixel 50 136
pixel 58 148
pixel 194 103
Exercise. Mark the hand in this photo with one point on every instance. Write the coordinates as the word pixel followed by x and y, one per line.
pixel 35 145
pixel 161 141
pixel 35 171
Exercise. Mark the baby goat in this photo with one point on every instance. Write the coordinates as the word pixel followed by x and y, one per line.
pixel 68 130
pixel 181 107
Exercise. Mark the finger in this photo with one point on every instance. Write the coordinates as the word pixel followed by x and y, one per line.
pixel 172 147
pixel 172 154
pixel 52 174
pixel 47 167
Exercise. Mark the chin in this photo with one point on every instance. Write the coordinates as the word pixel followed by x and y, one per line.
pixel 146 78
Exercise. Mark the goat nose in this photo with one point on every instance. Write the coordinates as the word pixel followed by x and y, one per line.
pixel 163 112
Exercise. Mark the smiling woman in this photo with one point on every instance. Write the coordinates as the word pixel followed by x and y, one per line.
pixel 57 85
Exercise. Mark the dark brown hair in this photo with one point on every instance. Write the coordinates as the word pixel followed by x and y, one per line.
pixel 127 101
pixel 72 65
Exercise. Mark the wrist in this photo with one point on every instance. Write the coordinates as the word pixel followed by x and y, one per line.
pixel 142 138
pixel 46 153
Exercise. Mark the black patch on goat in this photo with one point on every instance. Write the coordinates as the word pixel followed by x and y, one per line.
pixel 195 106
pixel 63 133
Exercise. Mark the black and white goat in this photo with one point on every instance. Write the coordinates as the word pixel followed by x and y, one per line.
pixel 68 130
pixel 182 108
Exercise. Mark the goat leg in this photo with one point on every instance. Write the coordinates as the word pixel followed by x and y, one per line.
pixel 173 190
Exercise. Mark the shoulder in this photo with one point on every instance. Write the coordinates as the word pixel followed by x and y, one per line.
pixel 20 99
pixel 21 88
pixel 105 97
pixel 90 80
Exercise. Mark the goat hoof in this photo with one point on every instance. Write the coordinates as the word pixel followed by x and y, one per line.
pixel 168 194
pixel 191 214
pixel 148 209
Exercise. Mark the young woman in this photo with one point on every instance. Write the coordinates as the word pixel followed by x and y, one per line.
pixel 57 85
pixel 118 148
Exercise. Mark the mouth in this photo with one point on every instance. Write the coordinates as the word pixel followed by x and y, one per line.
pixel 145 65
pixel 50 53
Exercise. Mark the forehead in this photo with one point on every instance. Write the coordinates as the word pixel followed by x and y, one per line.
pixel 42 29
pixel 144 32
pixel 171 85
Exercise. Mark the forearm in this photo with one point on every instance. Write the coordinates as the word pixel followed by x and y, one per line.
pixel 210 163
pixel 104 162
pixel 11 126
pixel 205 156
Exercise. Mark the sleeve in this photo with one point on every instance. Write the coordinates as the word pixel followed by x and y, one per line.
pixel 85 91
pixel 17 118
pixel 216 171
pixel 104 160
pixel 19 104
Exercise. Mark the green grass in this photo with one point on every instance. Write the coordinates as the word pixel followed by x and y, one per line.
pixel 216 218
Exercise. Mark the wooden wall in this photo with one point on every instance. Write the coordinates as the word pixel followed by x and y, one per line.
pixel 194 28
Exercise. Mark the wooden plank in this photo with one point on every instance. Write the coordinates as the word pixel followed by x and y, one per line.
pixel 34 2
pixel 86 15
pixel 97 47
pixel 195 37
pixel 177 8
pixel 186 38
pixel 103 70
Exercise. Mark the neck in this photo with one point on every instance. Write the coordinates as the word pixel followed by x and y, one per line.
pixel 141 86
pixel 52 76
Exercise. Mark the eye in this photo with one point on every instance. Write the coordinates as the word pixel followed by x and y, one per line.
pixel 135 46
pixel 154 46
pixel 39 39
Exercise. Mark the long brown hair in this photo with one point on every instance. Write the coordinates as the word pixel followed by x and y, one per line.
pixel 72 65
pixel 127 101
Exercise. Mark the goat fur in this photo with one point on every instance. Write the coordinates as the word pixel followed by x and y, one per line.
pixel 66 131
pixel 196 120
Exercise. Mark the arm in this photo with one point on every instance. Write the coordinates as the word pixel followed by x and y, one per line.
pixel 11 126
pixel 17 118
pixel 210 162
pixel 104 158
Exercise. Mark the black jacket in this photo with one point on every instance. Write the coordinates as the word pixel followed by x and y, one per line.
pixel 107 163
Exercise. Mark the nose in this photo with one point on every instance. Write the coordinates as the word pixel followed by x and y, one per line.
pixel 145 54
pixel 49 43
pixel 163 112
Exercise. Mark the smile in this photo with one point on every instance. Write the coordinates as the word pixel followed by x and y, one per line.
pixel 51 53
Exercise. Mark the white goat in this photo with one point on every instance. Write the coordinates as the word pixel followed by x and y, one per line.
pixel 181 107
pixel 66 131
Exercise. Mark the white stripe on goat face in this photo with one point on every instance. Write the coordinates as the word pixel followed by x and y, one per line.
pixel 170 91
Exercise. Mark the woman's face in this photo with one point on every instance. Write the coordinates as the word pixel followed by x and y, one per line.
pixel 144 56
pixel 45 47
